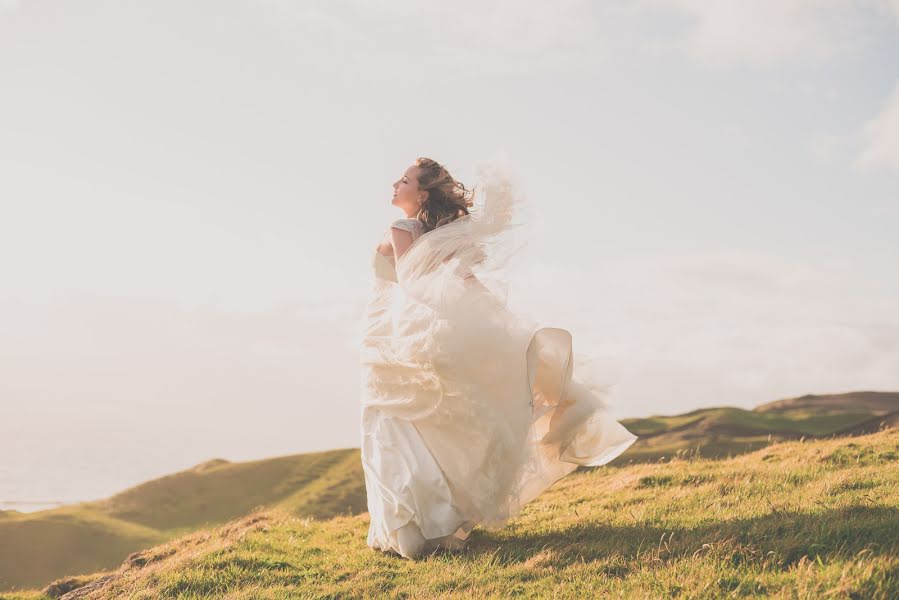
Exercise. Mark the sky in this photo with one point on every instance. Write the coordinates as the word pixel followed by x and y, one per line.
pixel 191 192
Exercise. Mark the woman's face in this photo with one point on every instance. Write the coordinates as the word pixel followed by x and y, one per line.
pixel 406 194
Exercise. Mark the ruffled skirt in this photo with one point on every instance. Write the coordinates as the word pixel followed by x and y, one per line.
pixel 467 416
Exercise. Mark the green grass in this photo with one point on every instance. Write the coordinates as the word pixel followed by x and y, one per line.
pixel 36 548
pixel 811 519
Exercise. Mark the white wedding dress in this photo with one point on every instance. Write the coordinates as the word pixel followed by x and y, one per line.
pixel 469 410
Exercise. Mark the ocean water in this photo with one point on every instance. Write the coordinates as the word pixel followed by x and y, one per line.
pixel 28 506
pixel 47 480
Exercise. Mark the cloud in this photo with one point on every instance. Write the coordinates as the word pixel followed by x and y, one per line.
pixel 881 137
pixel 763 33
pixel 732 328
pixel 829 147
pixel 471 34
pixel 890 6
pixel 9 5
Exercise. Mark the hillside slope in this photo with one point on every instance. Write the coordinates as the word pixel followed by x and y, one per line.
pixel 798 519
pixel 726 431
pixel 36 548
pixel 879 403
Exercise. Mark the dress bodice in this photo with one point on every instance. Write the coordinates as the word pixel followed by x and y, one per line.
pixel 385 266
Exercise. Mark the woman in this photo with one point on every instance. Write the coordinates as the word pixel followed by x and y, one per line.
pixel 469 410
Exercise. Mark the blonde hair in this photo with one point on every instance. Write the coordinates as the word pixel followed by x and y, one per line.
pixel 447 199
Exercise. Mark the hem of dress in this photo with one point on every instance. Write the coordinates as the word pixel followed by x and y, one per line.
pixel 611 454
pixel 461 533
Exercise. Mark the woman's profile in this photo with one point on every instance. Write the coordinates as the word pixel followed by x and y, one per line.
pixel 469 410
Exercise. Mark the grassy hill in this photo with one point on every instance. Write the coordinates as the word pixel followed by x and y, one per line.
pixel 36 548
pixel 798 519
pixel 725 431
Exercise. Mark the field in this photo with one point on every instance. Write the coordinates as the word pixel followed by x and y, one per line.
pixel 796 519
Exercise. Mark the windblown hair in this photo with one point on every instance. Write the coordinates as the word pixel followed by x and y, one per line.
pixel 447 200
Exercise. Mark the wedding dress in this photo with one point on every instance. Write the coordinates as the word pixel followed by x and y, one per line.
pixel 469 410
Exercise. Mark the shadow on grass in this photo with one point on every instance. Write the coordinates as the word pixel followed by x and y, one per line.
pixel 790 535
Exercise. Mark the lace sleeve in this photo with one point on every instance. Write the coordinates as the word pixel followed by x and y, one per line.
pixel 413 226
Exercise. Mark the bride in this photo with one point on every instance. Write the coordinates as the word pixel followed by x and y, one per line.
pixel 469 410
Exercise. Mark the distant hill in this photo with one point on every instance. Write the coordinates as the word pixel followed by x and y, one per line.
pixel 38 547
pixel 879 403
pixel 723 431
pixel 811 519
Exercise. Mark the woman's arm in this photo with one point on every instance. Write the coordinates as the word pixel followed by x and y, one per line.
pixel 400 239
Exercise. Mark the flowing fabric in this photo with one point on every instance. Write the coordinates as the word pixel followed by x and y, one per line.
pixel 469 410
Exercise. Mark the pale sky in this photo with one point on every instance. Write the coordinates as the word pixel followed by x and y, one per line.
pixel 191 192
